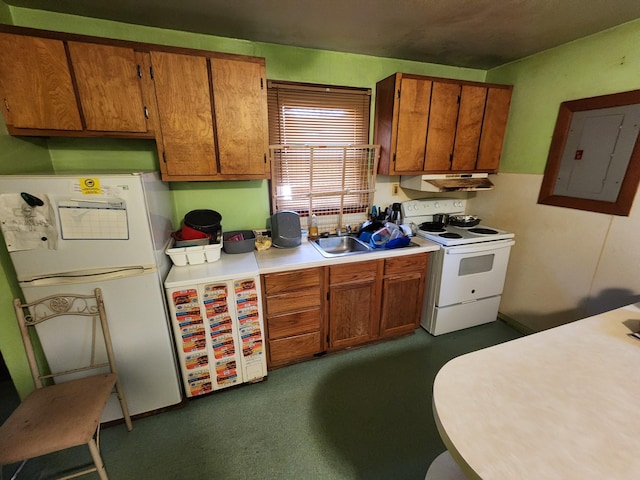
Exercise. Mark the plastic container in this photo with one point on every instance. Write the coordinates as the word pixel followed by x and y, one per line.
pixel 313 227
pixel 182 256
pixel 238 241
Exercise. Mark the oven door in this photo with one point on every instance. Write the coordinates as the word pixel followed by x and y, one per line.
pixel 472 272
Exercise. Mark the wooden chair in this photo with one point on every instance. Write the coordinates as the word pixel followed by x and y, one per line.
pixel 57 416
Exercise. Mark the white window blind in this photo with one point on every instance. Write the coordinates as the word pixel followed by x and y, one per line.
pixel 321 160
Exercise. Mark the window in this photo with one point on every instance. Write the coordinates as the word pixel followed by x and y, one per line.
pixel 321 160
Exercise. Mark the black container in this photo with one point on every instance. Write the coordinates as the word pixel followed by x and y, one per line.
pixel 207 221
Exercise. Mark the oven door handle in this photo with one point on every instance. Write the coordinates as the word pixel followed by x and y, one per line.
pixel 479 247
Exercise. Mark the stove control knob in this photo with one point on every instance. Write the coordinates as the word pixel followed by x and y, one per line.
pixel 436 205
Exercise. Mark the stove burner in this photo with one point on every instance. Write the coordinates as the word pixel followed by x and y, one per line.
pixel 432 227
pixel 450 235
pixel 483 231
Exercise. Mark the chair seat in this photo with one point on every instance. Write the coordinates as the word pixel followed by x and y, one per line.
pixel 444 467
pixel 77 404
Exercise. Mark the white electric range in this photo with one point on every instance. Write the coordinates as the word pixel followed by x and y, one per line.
pixel 466 276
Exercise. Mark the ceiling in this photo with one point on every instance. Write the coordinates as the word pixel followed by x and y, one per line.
pixel 465 33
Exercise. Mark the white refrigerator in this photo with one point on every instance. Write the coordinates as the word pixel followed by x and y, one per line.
pixel 73 233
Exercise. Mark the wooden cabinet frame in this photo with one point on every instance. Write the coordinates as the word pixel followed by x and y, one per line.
pixel 439 125
pixel 360 302
pixel 235 98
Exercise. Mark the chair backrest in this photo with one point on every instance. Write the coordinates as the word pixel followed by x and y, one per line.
pixel 78 324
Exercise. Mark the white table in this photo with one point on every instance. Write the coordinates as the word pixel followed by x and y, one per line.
pixel 559 404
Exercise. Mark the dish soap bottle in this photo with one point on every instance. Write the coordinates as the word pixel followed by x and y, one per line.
pixel 313 227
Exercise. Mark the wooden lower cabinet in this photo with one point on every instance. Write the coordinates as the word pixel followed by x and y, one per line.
pixel 403 287
pixel 353 299
pixel 293 312
pixel 326 309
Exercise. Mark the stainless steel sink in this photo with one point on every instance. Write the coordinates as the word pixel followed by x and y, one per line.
pixel 340 246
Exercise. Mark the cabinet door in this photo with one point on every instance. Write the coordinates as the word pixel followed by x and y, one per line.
pixel 240 105
pixel 493 128
pixel 442 125
pixel 470 114
pixel 35 84
pixel 185 113
pixel 352 314
pixel 402 303
pixel 413 118
pixel 109 87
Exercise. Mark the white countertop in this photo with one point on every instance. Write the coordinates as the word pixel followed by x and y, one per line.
pixel 559 404
pixel 305 255
pixel 232 266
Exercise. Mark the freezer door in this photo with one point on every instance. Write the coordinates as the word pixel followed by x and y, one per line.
pixel 142 341
pixel 91 236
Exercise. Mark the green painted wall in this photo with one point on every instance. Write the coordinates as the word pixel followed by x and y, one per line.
pixel 242 204
pixel 604 63
pixel 5 14
pixel 17 155
pixel 283 63
pixel 607 62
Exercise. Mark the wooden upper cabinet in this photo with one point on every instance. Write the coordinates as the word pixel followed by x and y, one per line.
pixel 413 119
pixel 468 128
pixel 36 85
pixel 442 125
pixel 207 111
pixel 240 105
pixel 185 114
pixel 493 128
pixel 108 83
pixel 436 125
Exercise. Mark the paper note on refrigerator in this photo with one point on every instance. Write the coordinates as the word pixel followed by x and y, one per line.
pixel 27 226
pixel 93 220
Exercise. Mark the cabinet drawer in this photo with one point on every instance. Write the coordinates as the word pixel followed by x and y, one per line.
pixel 290 302
pixel 289 281
pixel 294 323
pixel 353 272
pixel 408 263
pixel 285 349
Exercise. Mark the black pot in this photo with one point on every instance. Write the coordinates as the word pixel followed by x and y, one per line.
pixel 431 226
pixel 207 221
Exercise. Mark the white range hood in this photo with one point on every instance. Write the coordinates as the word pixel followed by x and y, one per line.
pixel 447 182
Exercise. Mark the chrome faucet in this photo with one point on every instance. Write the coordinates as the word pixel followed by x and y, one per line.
pixel 341 232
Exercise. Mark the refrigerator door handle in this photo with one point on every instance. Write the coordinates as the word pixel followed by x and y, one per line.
pixel 73 278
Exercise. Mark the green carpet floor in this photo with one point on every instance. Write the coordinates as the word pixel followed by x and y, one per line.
pixel 360 414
